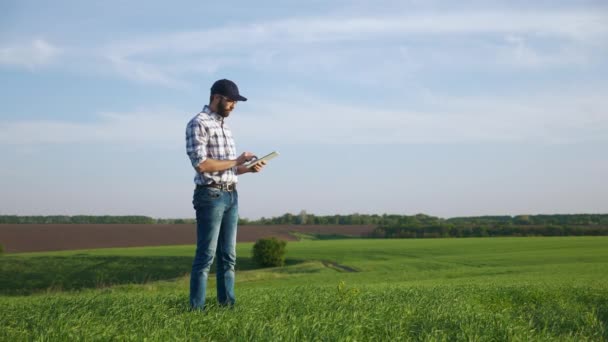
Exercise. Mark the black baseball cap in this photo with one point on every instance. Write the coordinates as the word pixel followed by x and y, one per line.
pixel 227 88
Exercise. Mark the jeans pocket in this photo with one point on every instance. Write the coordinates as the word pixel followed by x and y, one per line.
pixel 212 193
pixel 204 196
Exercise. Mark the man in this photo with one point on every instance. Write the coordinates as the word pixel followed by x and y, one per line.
pixel 211 149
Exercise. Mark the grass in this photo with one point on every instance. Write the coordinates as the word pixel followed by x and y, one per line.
pixel 444 289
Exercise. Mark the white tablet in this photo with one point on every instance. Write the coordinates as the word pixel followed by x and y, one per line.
pixel 267 157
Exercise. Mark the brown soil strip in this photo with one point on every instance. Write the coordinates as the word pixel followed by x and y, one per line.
pixel 16 238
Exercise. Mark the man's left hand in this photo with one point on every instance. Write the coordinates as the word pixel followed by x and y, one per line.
pixel 258 167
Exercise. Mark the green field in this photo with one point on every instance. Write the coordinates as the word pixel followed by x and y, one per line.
pixel 482 289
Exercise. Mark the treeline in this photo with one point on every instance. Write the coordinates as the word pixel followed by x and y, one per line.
pixel 88 219
pixel 385 220
pixel 387 226
pixel 421 220
pixel 464 230
pixel 425 226
pixel 422 226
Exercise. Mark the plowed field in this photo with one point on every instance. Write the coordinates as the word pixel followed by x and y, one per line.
pixel 18 238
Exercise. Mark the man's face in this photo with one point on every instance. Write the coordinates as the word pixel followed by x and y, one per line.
pixel 225 106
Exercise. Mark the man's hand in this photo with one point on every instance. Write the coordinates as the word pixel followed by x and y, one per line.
pixel 258 167
pixel 244 169
pixel 244 157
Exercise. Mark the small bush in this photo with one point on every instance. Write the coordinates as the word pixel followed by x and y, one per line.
pixel 269 252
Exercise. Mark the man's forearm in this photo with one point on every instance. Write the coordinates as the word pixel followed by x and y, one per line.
pixel 213 165
pixel 242 169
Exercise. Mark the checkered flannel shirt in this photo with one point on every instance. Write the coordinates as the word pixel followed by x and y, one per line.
pixel 207 136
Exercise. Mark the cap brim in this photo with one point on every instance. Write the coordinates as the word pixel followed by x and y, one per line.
pixel 240 98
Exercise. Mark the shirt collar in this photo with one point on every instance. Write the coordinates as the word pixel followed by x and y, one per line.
pixel 214 115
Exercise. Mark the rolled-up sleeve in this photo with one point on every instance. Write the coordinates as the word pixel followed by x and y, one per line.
pixel 196 142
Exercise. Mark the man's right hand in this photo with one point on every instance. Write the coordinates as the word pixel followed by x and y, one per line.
pixel 244 157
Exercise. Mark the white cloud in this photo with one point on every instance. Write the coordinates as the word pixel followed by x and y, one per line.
pixel 30 55
pixel 326 43
pixel 116 128
pixel 144 72
pixel 570 24
pixel 543 118
pixel 566 24
pixel 548 118
pixel 356 46
pixel 521 52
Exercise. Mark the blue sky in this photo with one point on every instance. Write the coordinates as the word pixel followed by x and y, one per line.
pixel 437 107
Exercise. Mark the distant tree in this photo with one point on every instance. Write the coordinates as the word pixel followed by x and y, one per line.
pixel 269 252
pixel 287 219
pixel 1 250
pixel 522 219
pixel 302 218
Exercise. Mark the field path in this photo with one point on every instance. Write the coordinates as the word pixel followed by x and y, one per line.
pixel 340 268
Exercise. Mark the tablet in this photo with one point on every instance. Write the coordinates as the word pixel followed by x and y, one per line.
pixel 267 157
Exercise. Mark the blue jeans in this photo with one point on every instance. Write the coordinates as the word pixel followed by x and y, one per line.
pixel 216 225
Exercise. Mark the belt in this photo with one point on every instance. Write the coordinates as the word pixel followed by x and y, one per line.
pixel 222 186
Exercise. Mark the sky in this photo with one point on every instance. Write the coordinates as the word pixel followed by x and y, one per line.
pixel 444 108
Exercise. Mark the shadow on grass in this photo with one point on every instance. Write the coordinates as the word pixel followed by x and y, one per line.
pixel 24 276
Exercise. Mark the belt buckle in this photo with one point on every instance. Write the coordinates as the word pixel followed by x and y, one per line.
pixel 227 187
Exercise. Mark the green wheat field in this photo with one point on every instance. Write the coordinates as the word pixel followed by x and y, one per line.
pixel 476 289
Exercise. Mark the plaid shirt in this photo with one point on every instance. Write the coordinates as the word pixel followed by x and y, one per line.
pixel 207 136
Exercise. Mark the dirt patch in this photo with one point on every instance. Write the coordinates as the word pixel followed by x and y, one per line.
pixel 18 238
pixel 340 268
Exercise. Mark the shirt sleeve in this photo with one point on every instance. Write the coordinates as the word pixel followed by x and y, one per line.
pixel 196 142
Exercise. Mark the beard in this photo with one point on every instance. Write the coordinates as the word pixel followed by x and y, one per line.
pixel 221 109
